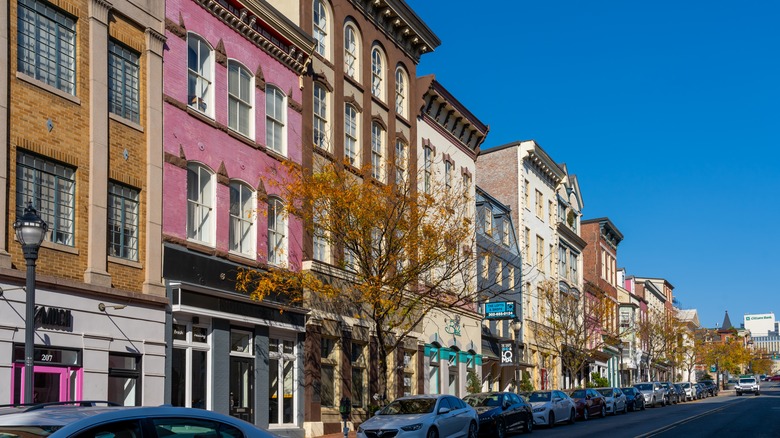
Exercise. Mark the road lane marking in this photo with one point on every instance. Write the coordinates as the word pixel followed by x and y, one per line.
pixel 686 420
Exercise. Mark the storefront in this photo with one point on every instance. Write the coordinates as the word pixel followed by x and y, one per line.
pixel 453 341
pixel 89 345
pixel 229 353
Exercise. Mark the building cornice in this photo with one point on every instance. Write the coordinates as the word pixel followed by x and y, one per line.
pixel 571 236
pixel 545 163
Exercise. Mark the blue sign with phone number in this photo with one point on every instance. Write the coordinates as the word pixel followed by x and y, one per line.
pixel 500 310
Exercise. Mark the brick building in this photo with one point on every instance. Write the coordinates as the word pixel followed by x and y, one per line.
pixel 83 147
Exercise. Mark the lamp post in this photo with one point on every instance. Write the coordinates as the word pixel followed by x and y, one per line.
pixel 30 230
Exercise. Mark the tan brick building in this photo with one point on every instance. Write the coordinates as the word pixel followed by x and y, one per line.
pixel 81 92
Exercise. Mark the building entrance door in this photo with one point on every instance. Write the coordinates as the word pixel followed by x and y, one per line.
pixel 242 388
pixel 50 384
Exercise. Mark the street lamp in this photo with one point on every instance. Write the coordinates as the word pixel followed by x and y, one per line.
pixel 30 230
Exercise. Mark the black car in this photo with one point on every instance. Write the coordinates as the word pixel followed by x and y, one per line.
pixel 501 413
pixel 634 399
pixel 672 396
pixel 680 392
pixel 712 387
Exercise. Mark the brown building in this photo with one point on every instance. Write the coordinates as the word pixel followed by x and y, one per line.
pixel 80 104
pixel 358 108
pixel 601 281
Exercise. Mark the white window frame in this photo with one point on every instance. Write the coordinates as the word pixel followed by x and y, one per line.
pixel 378 73
pixel 201 97
pixel 320 19
pixel 351 51
pixel 427 169
pixel 320 245
pixel 377 151
pixel 400 161
pixel 243 101
pixel 243 220
pixel 189 346
pixel 351 135
pixel 449 167
pixel 320 136
pixel 203 206
pixel 275 119
pixel 401 89
pixel 283 357
pixel 277 232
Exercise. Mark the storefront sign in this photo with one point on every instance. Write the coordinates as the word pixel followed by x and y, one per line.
pixel 50 356
pixel 500 310
pixel 507 353
pixel 180 332
pixel 452 326
pixel 53 317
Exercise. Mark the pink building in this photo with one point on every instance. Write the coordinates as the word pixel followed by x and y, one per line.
pixel 233 119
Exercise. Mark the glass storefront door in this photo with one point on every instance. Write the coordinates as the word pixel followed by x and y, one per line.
pixel 50 384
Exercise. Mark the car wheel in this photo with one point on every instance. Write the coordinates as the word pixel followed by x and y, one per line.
pixel 432 433
pixel 472 430
pixel 573 416
pixel 529 425
pixel 625 408
pixel 757 393
pixel 551 419
pixel 738 394
pixel 500 429
pixel 603 411
pixel 585 413
pixel 643 405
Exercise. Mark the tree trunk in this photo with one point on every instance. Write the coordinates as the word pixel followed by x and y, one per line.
pixel 382 356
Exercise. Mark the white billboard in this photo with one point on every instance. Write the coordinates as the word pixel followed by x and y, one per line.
pixel 760 324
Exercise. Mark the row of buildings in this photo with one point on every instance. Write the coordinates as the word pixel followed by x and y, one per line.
pixel 148 135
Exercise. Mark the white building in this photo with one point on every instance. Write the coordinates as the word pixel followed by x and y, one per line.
pixel 759 324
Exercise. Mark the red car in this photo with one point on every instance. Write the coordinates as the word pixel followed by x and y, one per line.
pixel 774 378
pixel 588 403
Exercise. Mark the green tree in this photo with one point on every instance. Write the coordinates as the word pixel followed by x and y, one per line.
pixel 525 383
pixel 473 385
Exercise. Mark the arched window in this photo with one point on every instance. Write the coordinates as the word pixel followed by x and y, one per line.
pixel 277 232
pixel 400 161
pixel 320 27
pixel 275 118
pixel 200 67
pixel 242 219
pixel 201 194
pixel 401 91
pixel 351 52
pixel 240 99
pixel 377 151
pixel 351 135
pixel 320 129
pixel 377 73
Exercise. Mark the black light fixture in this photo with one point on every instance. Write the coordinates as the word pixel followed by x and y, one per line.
pixel 30 231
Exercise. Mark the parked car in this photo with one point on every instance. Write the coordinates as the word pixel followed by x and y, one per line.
pixel 688 391
pixel 680 392
pixel 501 413
pixel 747 384
pixel 712 387
pixel 551 407
pixel 672 397
pixel 616 400
pixel 442 416
pixel 763 377
pixel 775 378
pixel 701 391
pixel 634 399
pixel 653 393
pixel 588 403
pixel 55 420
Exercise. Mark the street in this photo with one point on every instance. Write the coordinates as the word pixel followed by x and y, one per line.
pixel 725 415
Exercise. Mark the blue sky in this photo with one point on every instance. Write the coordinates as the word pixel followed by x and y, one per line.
pixel 666 111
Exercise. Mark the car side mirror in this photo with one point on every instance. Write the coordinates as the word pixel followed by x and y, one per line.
pixel 506 404
pixel 444 411
pixel 588 397
pixel 557 399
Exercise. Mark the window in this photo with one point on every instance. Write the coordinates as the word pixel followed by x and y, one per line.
pixel 277 232
pixel 189 386
pixel 242 219
pixel 539 204
pixel 377 73
pixel 448 166
pixel 433 372
pixel 350 260
pixel 129 428
pixel 122 221
pixel 240 97
pixel 320 129
pixel 123 83
pixel 320 245
pixel 320 27
pixel 505 237
pixel 400 92
pixel 466 197
pixel 527 191
pixel 400 161
pixel 561 212
pixel 200 203
pixel 275 115
pixel 351 50
pixel 281 380
pixel 487 220
pixel 186 427
pixel 427 169
pixel 51 188
pixel 377 150
pixel 358 374
pixel 527 244
pixel 124 378
pixel 551 259
pixel 562 263
pixel 200 65
pixel 551 213
pixel 540 253
pixel 625 319
pixel 351 135
pixel 47 44
pixel 573 265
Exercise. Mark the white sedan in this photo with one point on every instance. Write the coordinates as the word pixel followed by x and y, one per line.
pixel 423 416
pixel 551 407
pixel 616 400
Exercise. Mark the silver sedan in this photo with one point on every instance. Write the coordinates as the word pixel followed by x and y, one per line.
pixel 551 407
pixel 423 416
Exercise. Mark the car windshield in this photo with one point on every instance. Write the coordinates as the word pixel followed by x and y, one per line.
pixel 628 391
pixel 747 380
pixel 606 392
pixel 409 406
pixel 580 393
pixel 665 385
pixel 484 400
pixel 540 397
pixel 644 386
pixel 685 385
